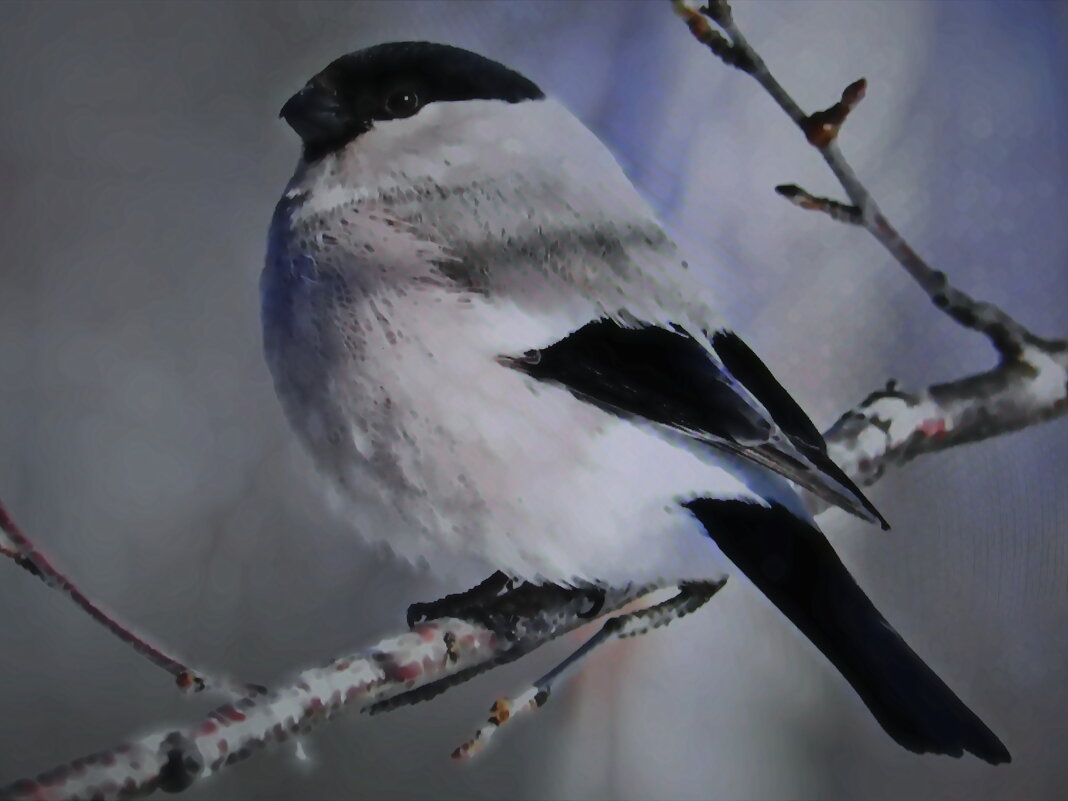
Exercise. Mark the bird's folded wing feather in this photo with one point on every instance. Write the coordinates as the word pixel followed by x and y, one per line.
pixel 725 397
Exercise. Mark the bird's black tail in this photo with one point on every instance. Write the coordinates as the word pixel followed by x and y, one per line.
pixel 792 563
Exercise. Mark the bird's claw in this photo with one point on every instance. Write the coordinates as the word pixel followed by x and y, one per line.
pixel 464 605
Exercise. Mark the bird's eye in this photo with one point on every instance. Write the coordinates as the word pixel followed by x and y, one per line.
pixel 402 103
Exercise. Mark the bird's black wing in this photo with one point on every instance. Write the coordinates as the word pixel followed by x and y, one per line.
pixel 667 377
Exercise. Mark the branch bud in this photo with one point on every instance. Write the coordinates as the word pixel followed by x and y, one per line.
pixel 822 127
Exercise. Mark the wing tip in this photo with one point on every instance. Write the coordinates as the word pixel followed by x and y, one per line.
pixel 874 515
pixel 857 502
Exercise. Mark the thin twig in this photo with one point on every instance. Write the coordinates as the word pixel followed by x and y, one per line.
pixel 689 597
pixel 821 130
pixel 832 208
pixel 18 547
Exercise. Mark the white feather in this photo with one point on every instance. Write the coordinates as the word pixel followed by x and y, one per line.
pixel 436 446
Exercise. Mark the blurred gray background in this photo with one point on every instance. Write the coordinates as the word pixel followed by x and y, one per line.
pixel 141 444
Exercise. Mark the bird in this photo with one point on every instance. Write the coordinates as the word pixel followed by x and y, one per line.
pixel 490 348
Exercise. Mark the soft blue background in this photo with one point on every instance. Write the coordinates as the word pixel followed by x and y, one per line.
pixel 140 442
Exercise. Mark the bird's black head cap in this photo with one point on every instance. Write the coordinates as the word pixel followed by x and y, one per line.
pixel 391 81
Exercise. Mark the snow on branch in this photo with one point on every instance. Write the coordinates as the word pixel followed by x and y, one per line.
pixel 890 427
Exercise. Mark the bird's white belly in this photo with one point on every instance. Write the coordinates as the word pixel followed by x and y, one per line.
pixel 475 457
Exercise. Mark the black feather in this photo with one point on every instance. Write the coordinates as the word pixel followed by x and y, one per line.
pixel 648 372
pixel 667 377
pixel 794 565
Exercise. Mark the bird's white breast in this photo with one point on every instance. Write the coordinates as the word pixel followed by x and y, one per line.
pixel 535 481
pixel 431 246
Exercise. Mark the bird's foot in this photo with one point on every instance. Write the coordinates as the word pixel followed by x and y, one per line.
pixel 500 603
pixel 690 596
pixel 464 605
pixel 595 595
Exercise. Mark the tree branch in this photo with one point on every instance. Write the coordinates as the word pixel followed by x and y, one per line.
pixel 404 669
pixel 891 427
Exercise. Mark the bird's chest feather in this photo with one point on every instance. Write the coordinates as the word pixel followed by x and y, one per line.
pixel 387 367
pixel 398 395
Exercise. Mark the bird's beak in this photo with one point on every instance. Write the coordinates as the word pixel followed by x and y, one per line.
pixel 317 115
